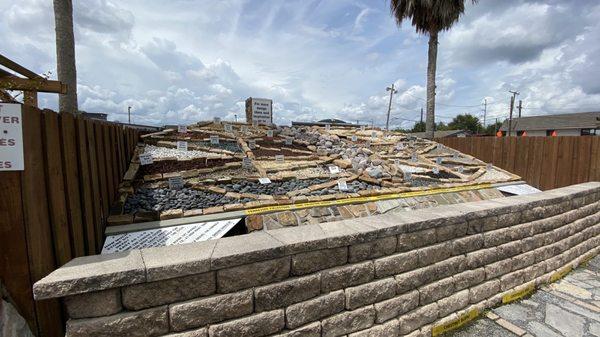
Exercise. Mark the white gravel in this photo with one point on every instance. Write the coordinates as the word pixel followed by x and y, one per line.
pixel 165 152
pixel 411 169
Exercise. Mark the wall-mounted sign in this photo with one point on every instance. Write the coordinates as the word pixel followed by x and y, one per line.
pixel 11 138
pixel 259 110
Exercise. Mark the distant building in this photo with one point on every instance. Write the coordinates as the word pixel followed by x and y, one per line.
pixel 573 124
pixel 94 115
pixel 444 134
pixel 328 121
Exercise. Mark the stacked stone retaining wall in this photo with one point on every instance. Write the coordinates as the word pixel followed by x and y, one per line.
pixel 386 275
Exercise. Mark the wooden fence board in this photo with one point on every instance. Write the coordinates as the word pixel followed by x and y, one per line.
pixel 110 179
pixel 534 168
pixel 98 179
pixel 595 159
pixel 71 179
pixel 564 162
pixel 56 189
pixel 86 187
pixel 582 162
pixel 101 163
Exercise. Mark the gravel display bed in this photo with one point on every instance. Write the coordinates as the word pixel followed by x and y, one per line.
pixel 162 199
pixel 228 173
pixel 493 175
pixel 223 145
pixel 259 152
pixel 165 166
pixel 274 188
pixel 159 152
pixel 271 143
pixel 353 187
pixel 411 169
pixel 440 175
pixel 422 183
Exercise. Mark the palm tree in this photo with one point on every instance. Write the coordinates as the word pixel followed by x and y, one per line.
pixel 429 17
pixel 65 54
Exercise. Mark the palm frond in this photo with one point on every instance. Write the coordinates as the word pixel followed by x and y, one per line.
pixel 428 15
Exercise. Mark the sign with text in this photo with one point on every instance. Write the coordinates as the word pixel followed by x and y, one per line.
pixel 182 146
pixel 279 158
pixel 11 138
pixel 214 140
pixel 262 110
pixel 342 185
pixel 333 169
pixel 252 144
pixel 270 133
pixel 264 181
pixel 146 159
pixel 176 183
pixel 182 128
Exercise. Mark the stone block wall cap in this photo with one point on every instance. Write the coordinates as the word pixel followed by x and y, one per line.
pixel 92 273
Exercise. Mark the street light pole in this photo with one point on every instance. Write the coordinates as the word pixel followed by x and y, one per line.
pixel 129 113
pixel 392 92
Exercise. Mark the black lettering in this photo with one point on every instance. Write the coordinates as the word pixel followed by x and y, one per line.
pixel 11 142
pixel 2 142
pixel 8 164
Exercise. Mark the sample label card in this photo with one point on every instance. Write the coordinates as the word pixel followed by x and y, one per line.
pixel 182 146
pixel 146 159
pixel 176 183
pixel 373 134
pixel 182 128
pixel 368 143
pixel 189 233
pixel 400 146
pixel 270 133
pixel 333 169
pixel 214 140
pixel 327 127
pixel 413 157
pixel 354 138
pixel 342 185
pixel 289 141
pixel 363 127
pixel 436 170
pixel 262 110
pixel 397 162
pixel 279 158
pixel 228 128
pixel 252 144
pixel 440 146
pixel 519 189
pixel 411 143
pixel 438 160
pixel 218 120
pixel 11 138
pixel 461 169
pixel 246 162
pixel 264 181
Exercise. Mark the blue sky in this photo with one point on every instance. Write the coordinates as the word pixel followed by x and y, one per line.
pixel 183 60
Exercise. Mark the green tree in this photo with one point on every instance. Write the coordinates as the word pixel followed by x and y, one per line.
pixel 491 129
pixel 429 17
pixel 418 127
pixel 465 122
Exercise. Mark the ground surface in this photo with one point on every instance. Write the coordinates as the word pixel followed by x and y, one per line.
pixel 569 308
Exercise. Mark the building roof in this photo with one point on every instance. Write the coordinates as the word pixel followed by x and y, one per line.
pixel 441 134
pixel 581 120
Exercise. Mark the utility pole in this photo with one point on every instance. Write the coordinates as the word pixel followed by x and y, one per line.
pixel 129 113
pixel 512 105
pixel 421 122
pixel 520 106
pixel 484 110
pixel 392 92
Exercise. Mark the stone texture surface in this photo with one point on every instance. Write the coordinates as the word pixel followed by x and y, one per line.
pixel 95 304
pixel 197 313
pixel 254 274
pixel 306 263
pixel 178 260
pixel 12 324
pixel 388 329
pixel 370 293
pixel 396 306
pixel 346 276
pixel 152 294
pixel 145 323
pixel 309 330
pixel 192 333
pixel 288 292
pixel 371 250
pixel 312 310
pixel 348 321
pixel 258 325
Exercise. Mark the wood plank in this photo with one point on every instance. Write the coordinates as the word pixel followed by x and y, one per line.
pixel 114 155
pixel 86 187
pixel 547 178
pixel 39 85
pixel 534 168
pixel 582 164
pixel 97 180
pixel 14 262
pixel 71 178
pixel 37 219
pixel 497 151
pixel 521 156
pixel 104 182
pixel 110 177
pixel 56 190
pixel 564 168
pixel 595 160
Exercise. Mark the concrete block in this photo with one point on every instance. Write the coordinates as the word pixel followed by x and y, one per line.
pixel 244 249
pixel 370 293
pixel 432 254
pixel 496 269
pixel 412 280
pixel 468 244
pixel 348 321
pixel 372 249
pixel 252 275
pixel 453 303
pixel 412 240
pixel 396 264
pixel 315 309
pixel 436 290
pixel 258 325
pixel 469 278
pixel 309 330
pixel 290 291
pixel 309 262
pixel 94 304
pixel 418 318
pixel 484 291
pixel 149 322
pixel 396 306
pixel 177 260
pixel 346 276
pixel 388 329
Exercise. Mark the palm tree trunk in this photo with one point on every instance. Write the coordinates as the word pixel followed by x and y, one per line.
pixel 65 54
pixel 431 66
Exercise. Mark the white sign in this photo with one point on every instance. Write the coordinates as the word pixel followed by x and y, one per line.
pixel 262 111
pixel 146 159
pixel 333 169
pixel 519 189
pixel 342 185
pixel 214 140
pixel 246 162
pixel 436 170
pixel 373 134
pixel 270 133
pixel 176 183
pixel 438 160
pixel 176 235
pixel 252 144
pixel 327 127
pixel 289 141
pixel 440 146
pixel 397 162
pixel 264 181
pixel 182 128
pixel 228 128
pixel 279 158
pixel 11 138
pixel 413 157
pixel 182 146
pixel 354 138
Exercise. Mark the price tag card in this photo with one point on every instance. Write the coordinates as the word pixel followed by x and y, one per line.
pixel 461 169
pixel 270 133
pixel 413 157
pixel 182 128
pixel 246 162
pixel 252 144
pixel 489 167
pixel 333 169
pixel 436 170
pixel 373 134
pixel 289 141
pixel 438 160
pixel 218 120
pixel 408 176
pixel 279 158
pixel 397 162
pixel 182 146
pixel 176 183
pixel 363 127
pixel 146 159
pixel 244 129
pixel 214 140
pixel 327 127
pixel 354 138
pixel 411 143
pixel 264 181
pixel 228 128
pixel 342 185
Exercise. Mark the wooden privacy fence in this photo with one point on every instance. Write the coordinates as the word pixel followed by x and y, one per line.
pixel 55 209
pixel 544 162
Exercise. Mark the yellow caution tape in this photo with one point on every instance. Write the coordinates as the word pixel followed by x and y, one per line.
pixel 311 204
pixel 455 323
pixel 518 294
pixel 587 260
pixel 561 273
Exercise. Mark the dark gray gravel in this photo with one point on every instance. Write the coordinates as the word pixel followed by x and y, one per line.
pixel 223 145
pixel 353 187
pixel 274 188
pixel 162 199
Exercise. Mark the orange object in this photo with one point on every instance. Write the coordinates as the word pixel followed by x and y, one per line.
pixel 524 134
pixel 554 133
pixel 499 134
